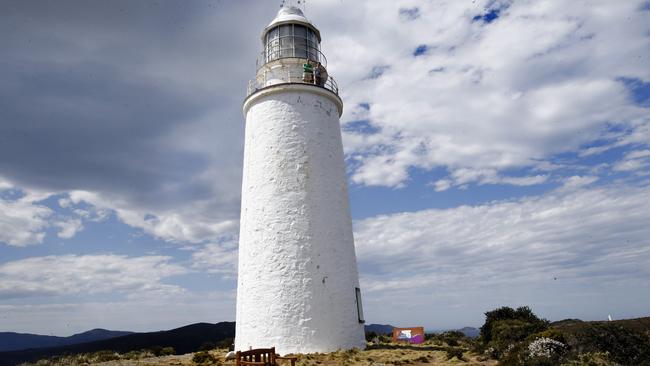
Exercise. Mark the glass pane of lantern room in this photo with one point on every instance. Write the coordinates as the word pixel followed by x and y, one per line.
pixel 272 45
pixel 313 45
pixel 285 30
pixel 300 40
pixel 272 34
pixel 300 31
pixel 286 40
pixel 313 38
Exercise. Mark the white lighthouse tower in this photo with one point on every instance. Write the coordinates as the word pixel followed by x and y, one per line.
pixel 298 285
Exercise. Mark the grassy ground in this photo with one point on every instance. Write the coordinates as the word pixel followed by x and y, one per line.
pixel 390 355
pixel 379 355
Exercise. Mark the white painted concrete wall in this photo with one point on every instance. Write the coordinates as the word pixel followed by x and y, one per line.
pixel 297 265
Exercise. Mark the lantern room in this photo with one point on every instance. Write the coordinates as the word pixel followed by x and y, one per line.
pixel 289 35
pixel 291 54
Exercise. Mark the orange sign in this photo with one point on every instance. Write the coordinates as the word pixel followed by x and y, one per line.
pixel 413 335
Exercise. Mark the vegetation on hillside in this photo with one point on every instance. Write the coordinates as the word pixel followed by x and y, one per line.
pixel 517 337
pixel 101 356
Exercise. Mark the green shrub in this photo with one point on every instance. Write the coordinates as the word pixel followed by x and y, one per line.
pixel 545 351
pixel 167 351
pixel 384 338
pixel 203 358
pixel 590 359
pixel 226 343
pixel 552 333
pixel 370 336
pixel 522 314
pixel 136 355
pixel 103 356
pixel 161 351
pixel 452 337
pixel 207 346
pixel 452 352
pixel 430 337
pixel 514 355
pixel 624 346
pixel 505 328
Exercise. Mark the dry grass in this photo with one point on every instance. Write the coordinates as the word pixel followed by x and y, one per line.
pixel 380 355
pixel 179 360
pixel 176 360
pixel 390 355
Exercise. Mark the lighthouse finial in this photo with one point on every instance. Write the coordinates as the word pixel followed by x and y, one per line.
pixel 300 4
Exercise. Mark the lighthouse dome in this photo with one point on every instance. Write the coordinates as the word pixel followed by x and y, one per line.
pixel 290 15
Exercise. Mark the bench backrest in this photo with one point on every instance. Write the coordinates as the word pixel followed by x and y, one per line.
pixel 264 355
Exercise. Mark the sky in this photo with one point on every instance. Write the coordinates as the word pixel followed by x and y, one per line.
pixel 498 154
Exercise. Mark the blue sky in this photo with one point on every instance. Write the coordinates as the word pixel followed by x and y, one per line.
pixel 498 153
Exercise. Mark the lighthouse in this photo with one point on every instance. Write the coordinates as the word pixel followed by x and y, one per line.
pixel 298 284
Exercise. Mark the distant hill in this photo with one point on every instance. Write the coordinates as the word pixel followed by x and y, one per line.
pixel 625 342
pixel 10 341
pixel 379 328
pixel 470 332
pixel 576 325
pixel 184 340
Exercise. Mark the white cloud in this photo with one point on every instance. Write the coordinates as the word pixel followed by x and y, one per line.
pixel 69 228
pixel 542 79
pixel 524 181
pixel 635 161
pixel 630 165
pixel 169 163
pixel 485 99
pixel 592 241
pixel 22 223
pixel 216 258
pixel 442 185
pixel 88 274
pixel 638 154
pixel 461 177
pixel 190 223
pixel 5 184
pixel 577 181
pixel 24 219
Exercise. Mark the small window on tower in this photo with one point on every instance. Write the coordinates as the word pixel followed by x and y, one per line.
pixel 359 306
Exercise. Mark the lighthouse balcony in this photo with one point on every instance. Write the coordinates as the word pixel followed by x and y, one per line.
pixel 292 70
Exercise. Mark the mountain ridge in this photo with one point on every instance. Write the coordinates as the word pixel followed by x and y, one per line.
pixel 185 339
pixel 13 341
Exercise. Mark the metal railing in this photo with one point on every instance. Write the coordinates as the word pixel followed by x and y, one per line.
pixel 286 77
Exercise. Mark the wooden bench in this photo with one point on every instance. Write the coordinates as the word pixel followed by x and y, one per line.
pixel 261 357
